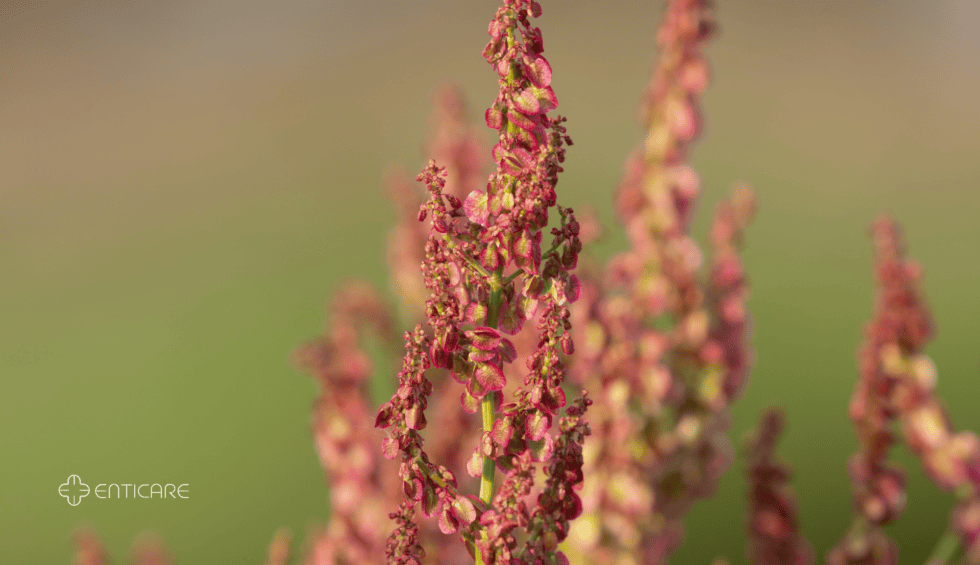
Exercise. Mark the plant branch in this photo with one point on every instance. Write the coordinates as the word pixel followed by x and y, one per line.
pixel 510 278
pixel 486 405
pixel 947 549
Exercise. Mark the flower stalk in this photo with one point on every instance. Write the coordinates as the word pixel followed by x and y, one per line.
pixel 947 549
pixel 895 389
pixel 487 276
pixel 665 348
pixel 773 526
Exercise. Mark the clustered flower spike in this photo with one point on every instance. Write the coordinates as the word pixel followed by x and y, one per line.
pixel 365 485
pixel 487 276
pixel 453 143
pixel 727 295
pixel 89 549
pixel 895 385
pixel 773 525
pixel 279 548
pixel 148 549
pixel 361 484
pixel 665 351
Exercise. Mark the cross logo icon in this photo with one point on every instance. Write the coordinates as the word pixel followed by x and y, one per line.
pixel 74 490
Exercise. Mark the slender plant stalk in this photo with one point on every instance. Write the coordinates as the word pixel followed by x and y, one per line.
pixel 947 549
pixel 489 467
pixel 486 405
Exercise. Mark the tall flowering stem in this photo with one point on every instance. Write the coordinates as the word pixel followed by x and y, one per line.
pixel 773 524
pixel 665 350
pixel 360 482
pixel 487 275
pixel 362 485
pixel 279 548
pixel 148 549
pixel 895 386
pixel 454 144
pixel 89 549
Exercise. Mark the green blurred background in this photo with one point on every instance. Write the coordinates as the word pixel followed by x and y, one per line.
pixel 183 184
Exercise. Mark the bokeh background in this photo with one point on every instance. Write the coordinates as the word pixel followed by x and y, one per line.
pixel 183 184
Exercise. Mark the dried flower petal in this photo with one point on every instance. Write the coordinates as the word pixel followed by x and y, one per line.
pixel 474 465
pixel 539 72
pixel 476 207
pixel 464 510
pixel 490 376
pixel 448 524
pixel 483 337
pixel 537 425
pixel 542 449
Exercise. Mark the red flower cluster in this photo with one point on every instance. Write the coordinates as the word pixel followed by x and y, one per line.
pixel 487 276
pixel 455 145
pixel 361 485
pixel 665 352
pixel 773 525
pixel 896 385
pixel 148 549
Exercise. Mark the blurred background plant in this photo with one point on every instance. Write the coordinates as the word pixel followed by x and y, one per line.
pixel 166 230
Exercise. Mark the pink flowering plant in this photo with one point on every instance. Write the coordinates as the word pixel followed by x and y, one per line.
pixel 487 275
pixel 552 409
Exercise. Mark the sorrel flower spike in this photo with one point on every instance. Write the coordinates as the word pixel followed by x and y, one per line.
pixel 896 385
pixel 89 549
pixel 279 548
pixel 901 323
pixel 148 549
pixel 453 143
pixel 774 533
pixel 361 484
pixel 487 275
pixel 364 485
pixel 665 350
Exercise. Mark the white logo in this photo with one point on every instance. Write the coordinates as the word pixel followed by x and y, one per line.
pixel 75 490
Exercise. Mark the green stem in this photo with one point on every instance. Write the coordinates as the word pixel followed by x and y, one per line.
pixel 472 262
pixel 493 313
pixel 513 276
pixel 487 404
pixel 946 550
pixel 520 272
pixel 489 466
